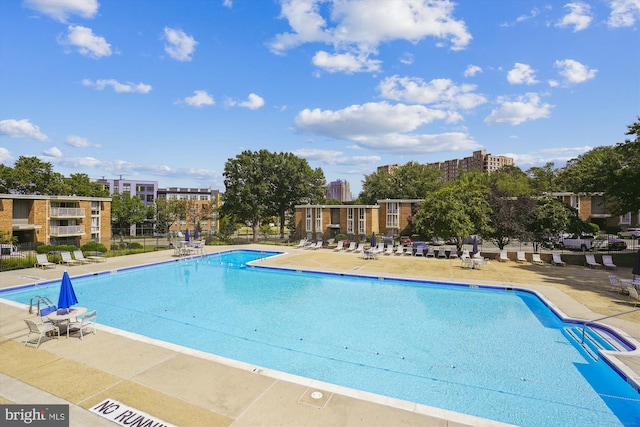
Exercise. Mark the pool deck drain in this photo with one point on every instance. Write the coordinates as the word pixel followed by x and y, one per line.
pixel 187 388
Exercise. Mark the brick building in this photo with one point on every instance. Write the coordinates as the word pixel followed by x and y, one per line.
pixel 56 220
pixel 199 200
pixel 479 161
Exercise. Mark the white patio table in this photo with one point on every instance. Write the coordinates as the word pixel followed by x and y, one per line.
pixel 61 316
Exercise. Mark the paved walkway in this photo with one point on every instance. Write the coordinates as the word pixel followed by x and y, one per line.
pixel 190 388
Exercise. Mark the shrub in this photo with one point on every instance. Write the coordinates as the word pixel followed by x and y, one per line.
pixel 340 237
pixel 135 245
pixel 94 247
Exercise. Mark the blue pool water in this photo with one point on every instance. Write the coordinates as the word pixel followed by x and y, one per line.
pixel 491 353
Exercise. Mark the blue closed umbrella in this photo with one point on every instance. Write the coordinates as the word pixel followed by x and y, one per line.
pixel 475 245
pixel 186 235
pixel 195 234
pixel 373 239
pixel 67 296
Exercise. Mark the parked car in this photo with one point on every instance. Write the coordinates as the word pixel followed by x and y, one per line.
pixel 609 243
pixel 577 242
pixel 469 240
pixel 437 241
pixel 405 240
pixel 629 233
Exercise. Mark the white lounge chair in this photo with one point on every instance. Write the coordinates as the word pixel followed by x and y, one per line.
pixel 453 253
pixel 401 250
pixel 430 252
pixel 607 262
pixel 88 321
pixel 352 247
pixel 590 261
pixel 535 259
pixel 420 251
pixel 339 246
pixel 521 257
pixel 503 256
pixel 616 285
pixel 442 253
pixel 41 329
pixel 42 261
pixel 66 259
pixel 359 249
pixel 465 254
pixel 466 262
pixel 79 256
pixel 317 245
pixel 301 244
pixel 389 250
pixel 556 259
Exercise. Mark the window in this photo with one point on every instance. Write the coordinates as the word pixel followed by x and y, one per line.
pixel 349 220
pixel 362 221
pixel 150 198
pixel 392 214
pixel 625 219
pixel 194 197
pixel 204 197
pixel 126 188
pixel 149 189
pixel 318 219
pixel 575 202
pixel 308 225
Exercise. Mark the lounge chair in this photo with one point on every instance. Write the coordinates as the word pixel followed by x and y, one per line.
pixel 430 252
pixel 66 259
pixel 41 329
pixel 607 262
pixel 408 250
pixel 465 254
pixel 96 258
pixel 317 245
pixel 535 259
pixel 466 262
pixel 556 259
pixel 339 246
pixel 352 247
pixel 301 244
pixel 521 257
pixel 88 322
pixel 79 256
pixel 419 251
pixel 616 285
pixel 401 250
pixel 359 249
pixel 389 250
pixel 503 256
pixel 453 253
pixel 590 261
pixel 42 261
pixel 442 253
pixel 633 294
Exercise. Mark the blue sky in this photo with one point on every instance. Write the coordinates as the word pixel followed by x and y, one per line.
pixel 169 90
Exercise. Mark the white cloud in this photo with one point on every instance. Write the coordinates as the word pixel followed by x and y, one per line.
pixel 472 70
pixel 200 99
pixel 60 10
pixel 383 127
pixel 579 16
pixel 406 58
pixel 574 72
pixel 253 102
pixel 345 62
pixel 87 43
pixel 179 46
pixel 356 28
pixel 117 86
pixel 79 142
pixel 21 129
pixel 521 74
pixel 227 3
pixel 53 152
pixel 558 156
pixel 523 108
pixel 441 93
pixel 329 157
pixel 522 18
pixel 5 156
pixel 624 13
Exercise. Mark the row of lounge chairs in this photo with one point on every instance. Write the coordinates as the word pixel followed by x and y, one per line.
pixel 556 259
pixel 42 261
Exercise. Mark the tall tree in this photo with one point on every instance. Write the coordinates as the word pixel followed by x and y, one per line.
pixel 544 179
pixel 125 212
pixel 31 175
pixel 81 185
pixel 409 181
pixel 612 170
pixel 510 181
pixel 456 210
pixel 510 216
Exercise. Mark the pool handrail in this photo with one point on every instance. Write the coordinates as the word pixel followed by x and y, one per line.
pixel 586 322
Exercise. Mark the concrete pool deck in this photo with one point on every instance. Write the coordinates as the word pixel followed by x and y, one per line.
pixel 190 388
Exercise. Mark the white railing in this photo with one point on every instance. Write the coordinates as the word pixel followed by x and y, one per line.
pixel 67 230
pixel 67 212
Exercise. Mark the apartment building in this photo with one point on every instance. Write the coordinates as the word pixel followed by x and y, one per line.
pixel 324 222
pixel 592 208
pixel 56 220
pixel 339 190
pixel 201 202
pixel 479 161
pixel 145 190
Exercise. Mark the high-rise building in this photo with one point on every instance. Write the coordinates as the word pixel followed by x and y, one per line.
pixel 480 161
pixel 339 190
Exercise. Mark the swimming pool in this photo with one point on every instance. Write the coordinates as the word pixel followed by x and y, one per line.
pixel 492 353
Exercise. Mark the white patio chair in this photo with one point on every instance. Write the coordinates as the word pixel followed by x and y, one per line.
pixel 40 329
pixel 615 284
pixel 607 262
pixel 633 295
pixel 88 322
pixel 42 261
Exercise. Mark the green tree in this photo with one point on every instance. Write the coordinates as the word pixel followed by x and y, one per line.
pixel 510 181
pixel 510 217
pixel 81 185
pixel 409 181
pixel 31 175
pixel 612 170
pixel 552 217
pixel 125 212
pixel 456 210
pixel 544 179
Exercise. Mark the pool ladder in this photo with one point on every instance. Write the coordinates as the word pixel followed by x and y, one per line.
pixel 44 301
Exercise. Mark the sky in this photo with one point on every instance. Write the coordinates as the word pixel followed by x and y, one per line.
pixel 169 90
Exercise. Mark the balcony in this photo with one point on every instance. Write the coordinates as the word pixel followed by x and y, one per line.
pixel 67 213
pixel 67 230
